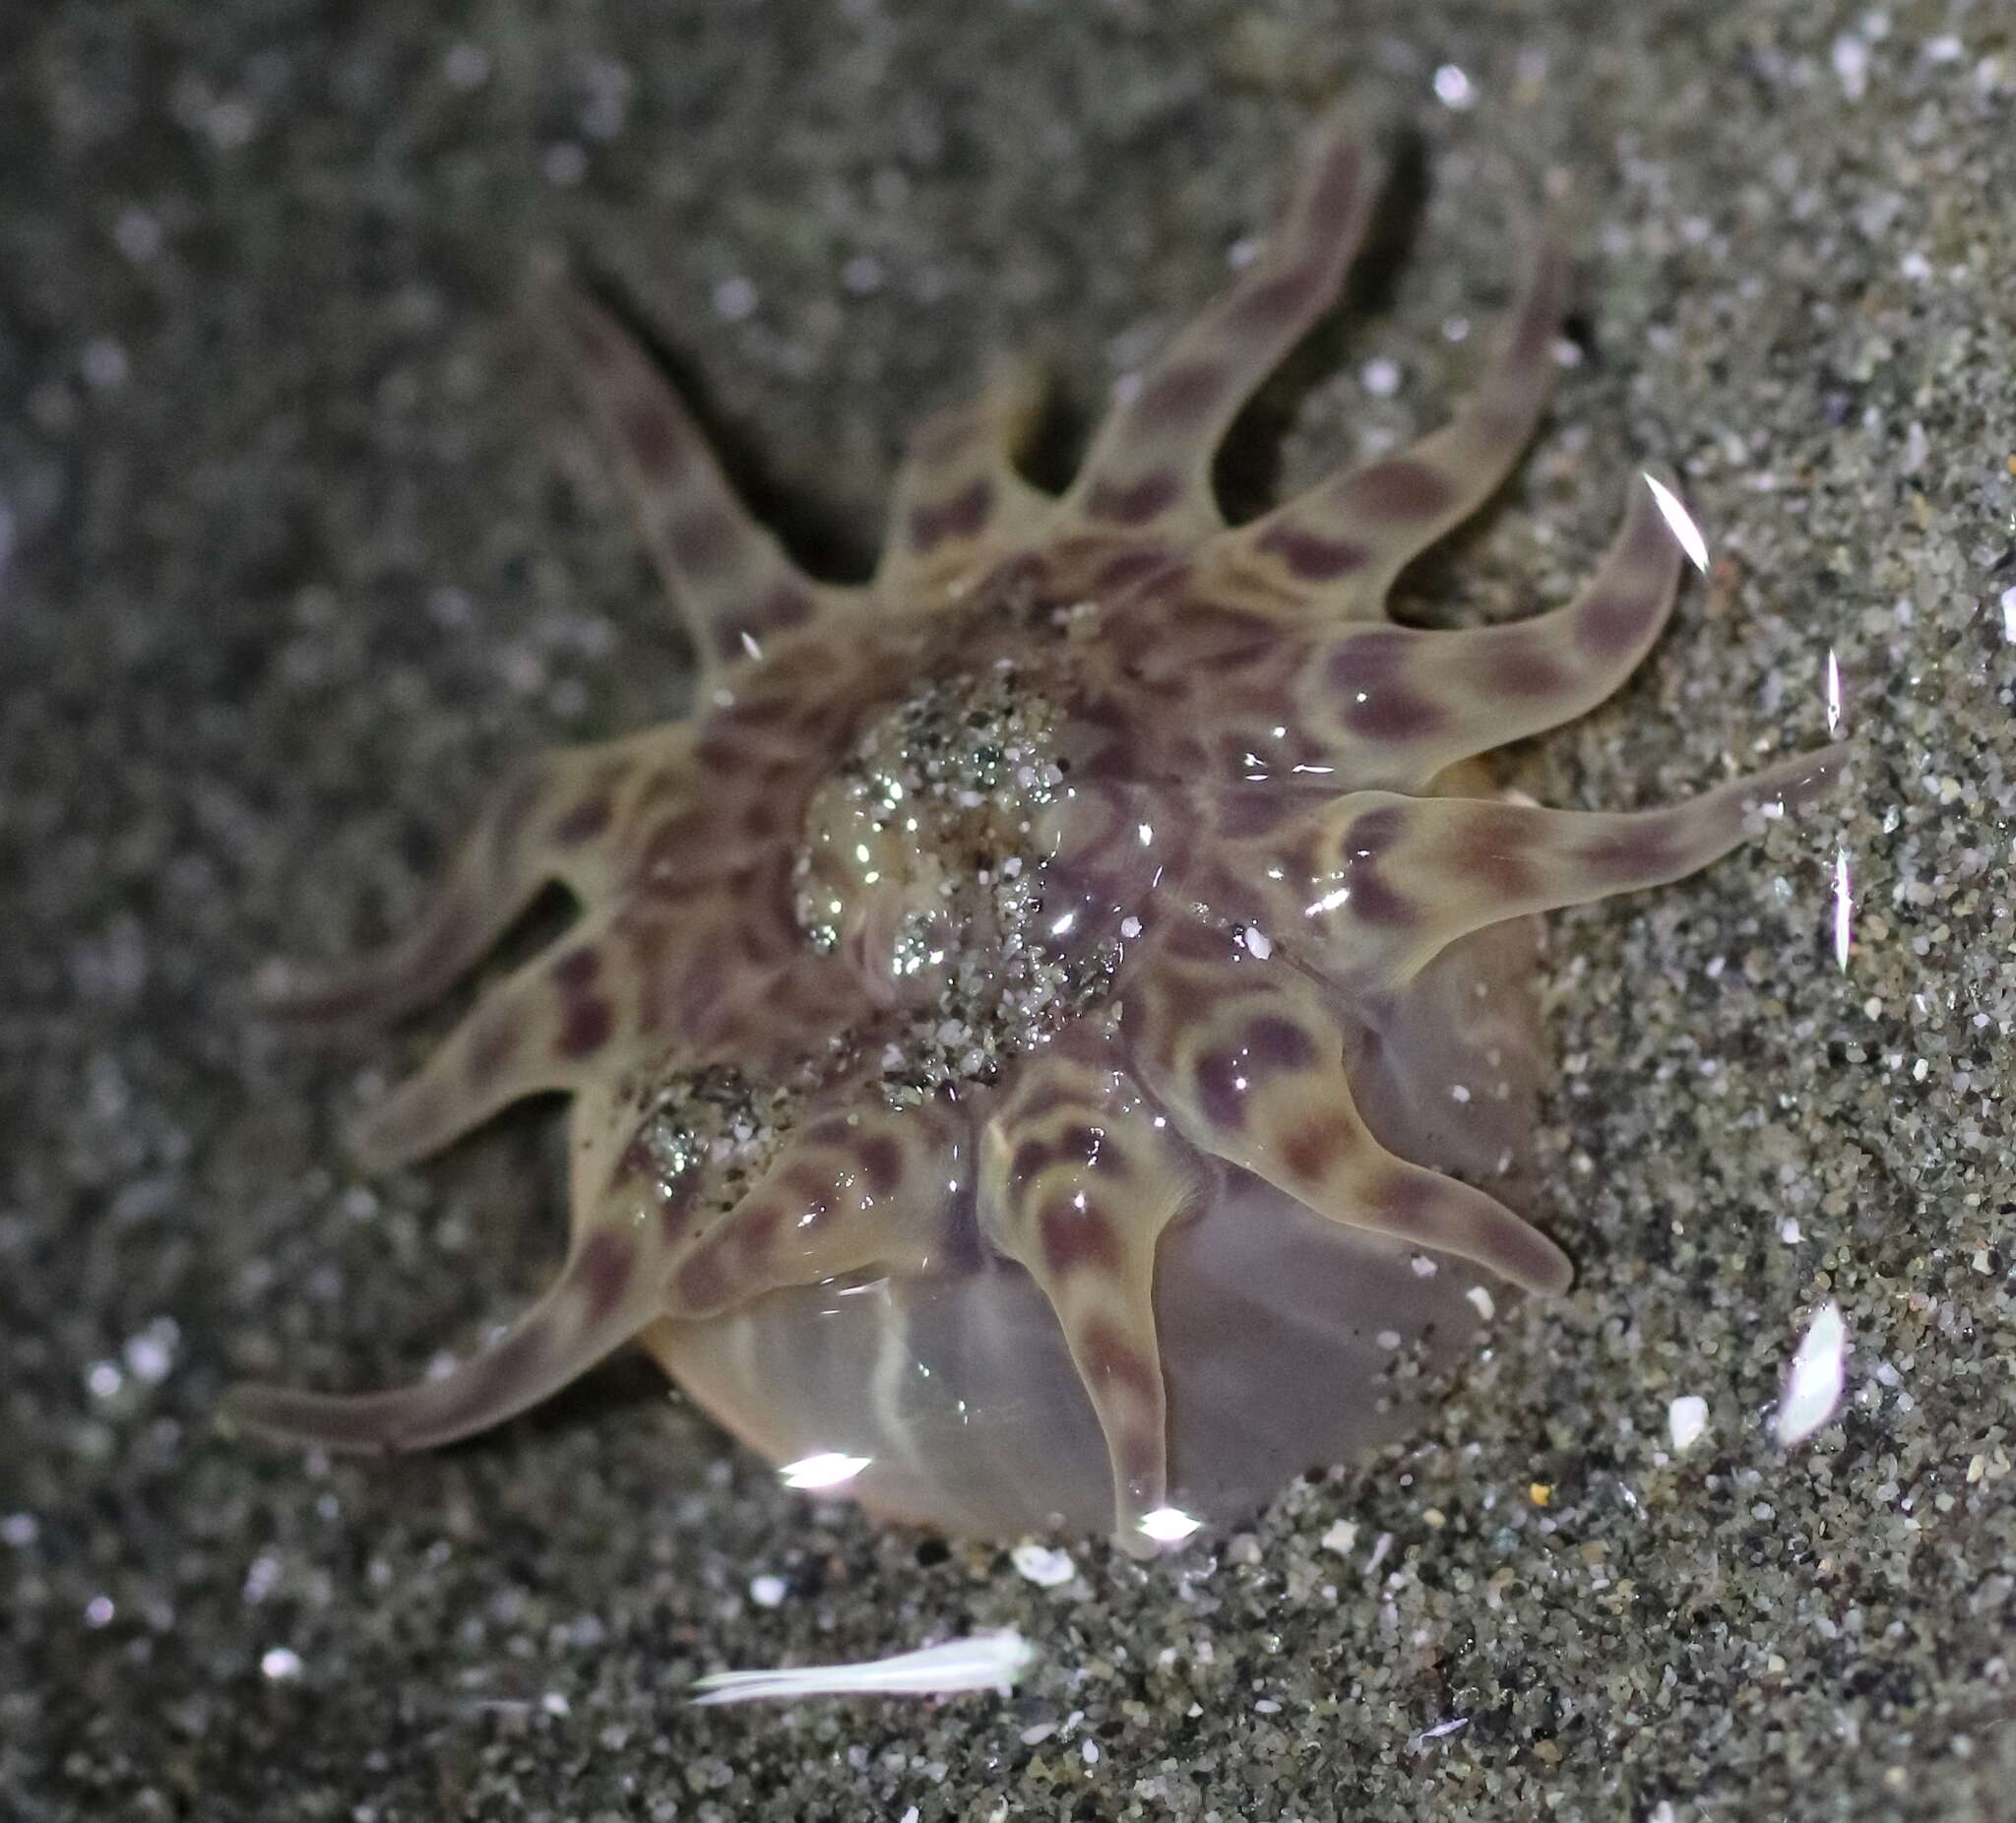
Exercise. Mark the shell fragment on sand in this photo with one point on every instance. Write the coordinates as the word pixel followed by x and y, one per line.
pixel 983 1662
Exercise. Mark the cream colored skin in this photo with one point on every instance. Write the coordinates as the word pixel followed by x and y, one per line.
pixel 1262 1034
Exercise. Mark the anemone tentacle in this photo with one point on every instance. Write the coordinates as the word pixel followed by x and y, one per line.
pixel 957 504
pixel 1397 704
pixel 568 818
pixel 1339 547
pixel 1250 1065
pixel 1148 470
pixel 728 577
pixel 545 1027
pixel 863 1190
pixel 1078 1181
pixel 1375 885
pixel 611 1287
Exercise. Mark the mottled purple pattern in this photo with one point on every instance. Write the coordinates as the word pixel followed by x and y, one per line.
pixel 1309 557
pixel 1133 505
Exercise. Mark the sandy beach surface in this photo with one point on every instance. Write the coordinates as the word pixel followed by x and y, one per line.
pixel 303 537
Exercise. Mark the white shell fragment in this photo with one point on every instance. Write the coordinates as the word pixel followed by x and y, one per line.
pixel 1812 1386
pixel 1046 1568
pixel 983 1662
pixel 1416 1743
pixel 1686 1418
pixel 1342 1537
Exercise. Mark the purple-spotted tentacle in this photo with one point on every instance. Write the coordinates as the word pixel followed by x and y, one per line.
pixel 610 1290
pixel 1250 1066
pixel 1403 703
pixel 856 1190
pixel 729 578
pixel 554 1023
pixel 1375 885
pixel 560 819
pixel 1340 545
pixel 1077 1183
pixel 959 502
pixel 1149 469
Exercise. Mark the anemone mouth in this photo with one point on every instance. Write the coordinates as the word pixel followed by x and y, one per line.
pixel 918 847
pixel 951 862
